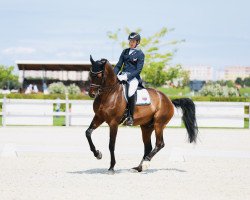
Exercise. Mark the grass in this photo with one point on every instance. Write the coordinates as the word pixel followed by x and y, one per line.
pixel 175 91
pixel 245 91
pixel 246 123
pixel 59 121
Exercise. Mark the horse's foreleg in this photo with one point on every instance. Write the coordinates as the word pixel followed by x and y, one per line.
pixel 94 124
pixel 112 139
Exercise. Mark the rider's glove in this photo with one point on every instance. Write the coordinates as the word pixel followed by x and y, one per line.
pixel 122 77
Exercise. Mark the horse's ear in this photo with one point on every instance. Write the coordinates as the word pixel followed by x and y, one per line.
pixel 91 60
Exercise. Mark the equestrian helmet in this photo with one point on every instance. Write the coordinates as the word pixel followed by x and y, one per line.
pixel 134 36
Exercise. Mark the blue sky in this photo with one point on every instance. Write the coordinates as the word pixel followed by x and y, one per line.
pixel 217 33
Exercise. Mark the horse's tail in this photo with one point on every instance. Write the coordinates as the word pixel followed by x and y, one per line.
pixel 189 118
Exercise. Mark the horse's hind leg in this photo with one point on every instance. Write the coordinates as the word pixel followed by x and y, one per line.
pixel 146 137
pixel 160 121
pixel 159 141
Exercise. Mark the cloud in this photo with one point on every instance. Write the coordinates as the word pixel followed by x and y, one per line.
pixel 18 51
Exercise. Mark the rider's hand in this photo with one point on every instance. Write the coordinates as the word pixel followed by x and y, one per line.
pixel 122 77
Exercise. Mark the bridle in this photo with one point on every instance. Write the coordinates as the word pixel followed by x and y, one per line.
pixel 99 87
pixel 96 86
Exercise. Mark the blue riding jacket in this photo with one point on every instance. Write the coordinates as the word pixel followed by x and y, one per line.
pixel 133 63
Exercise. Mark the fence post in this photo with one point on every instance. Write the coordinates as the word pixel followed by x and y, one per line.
pixel 67 110
pixel 4 111
pixel 249 116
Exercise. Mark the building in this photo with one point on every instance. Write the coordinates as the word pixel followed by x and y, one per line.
pixel 200 72
pixel 43 73
pixel 219 74
pixel 233 72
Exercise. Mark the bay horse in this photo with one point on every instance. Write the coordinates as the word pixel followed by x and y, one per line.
pixel 110 105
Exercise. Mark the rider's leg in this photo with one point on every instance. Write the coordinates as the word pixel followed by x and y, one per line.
pixel 131 106
pixel 133 84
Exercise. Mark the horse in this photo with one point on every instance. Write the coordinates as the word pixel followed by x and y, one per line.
pixel 109 106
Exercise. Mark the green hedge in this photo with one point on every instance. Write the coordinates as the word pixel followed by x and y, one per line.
pixel 210 98
pixel 85 97
pixel 224 99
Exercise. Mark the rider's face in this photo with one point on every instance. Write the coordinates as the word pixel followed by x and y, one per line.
pixel 132 43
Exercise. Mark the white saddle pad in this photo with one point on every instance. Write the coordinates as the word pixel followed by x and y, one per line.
pixel 143 97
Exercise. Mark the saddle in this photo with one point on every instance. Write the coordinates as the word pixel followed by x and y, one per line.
pixel 141 98
pixel 141 95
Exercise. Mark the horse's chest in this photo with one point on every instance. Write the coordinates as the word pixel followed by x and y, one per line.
pixel 100 109
pixel 111 107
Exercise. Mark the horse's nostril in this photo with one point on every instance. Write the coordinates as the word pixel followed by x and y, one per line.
pixel 91 94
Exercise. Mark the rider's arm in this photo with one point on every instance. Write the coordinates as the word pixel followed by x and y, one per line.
pixel 119 64
pixel 139 66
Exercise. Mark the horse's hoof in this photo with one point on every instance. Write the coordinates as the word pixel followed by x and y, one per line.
pixel 99 155
pixel 111 171
pixel 145 165
pixel 137 169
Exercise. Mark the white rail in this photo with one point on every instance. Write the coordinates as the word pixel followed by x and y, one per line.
pixel 80 112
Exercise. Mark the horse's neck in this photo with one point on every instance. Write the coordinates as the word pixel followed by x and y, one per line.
pixel 110 96
pixel 112 83
pixel 111 78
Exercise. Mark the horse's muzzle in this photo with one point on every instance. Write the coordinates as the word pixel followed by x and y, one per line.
pixel 92 93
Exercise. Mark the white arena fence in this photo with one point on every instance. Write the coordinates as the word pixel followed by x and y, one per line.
pixel 80 112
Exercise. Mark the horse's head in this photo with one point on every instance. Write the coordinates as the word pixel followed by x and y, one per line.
pixel 96 76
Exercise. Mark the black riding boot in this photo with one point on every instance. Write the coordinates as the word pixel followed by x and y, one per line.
pixel 131 108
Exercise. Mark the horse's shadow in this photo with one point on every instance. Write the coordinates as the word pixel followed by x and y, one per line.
pixel 121 171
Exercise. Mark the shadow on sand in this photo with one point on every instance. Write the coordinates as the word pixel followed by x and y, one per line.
pixel 121 171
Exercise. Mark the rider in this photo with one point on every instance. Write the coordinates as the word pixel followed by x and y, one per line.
pixel 133 60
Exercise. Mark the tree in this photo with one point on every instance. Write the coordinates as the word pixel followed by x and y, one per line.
pixel 157 55
pixel 247 81
pixel 229 83
pixel 155 75
pixel 7 78
pixel 178 75
pixel 173 73
pixel 239 81
pixel 185 75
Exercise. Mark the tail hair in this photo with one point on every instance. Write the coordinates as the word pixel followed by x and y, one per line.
pixel 188 117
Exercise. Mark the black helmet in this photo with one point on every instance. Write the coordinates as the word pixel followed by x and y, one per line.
pixel 134 36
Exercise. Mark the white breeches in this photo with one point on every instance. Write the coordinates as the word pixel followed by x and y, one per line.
pixel 133 84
